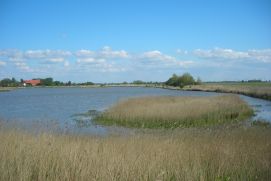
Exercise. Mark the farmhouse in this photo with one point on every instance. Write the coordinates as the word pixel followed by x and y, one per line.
pixel 32 82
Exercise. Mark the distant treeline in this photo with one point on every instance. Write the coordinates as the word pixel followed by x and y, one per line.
pixel 7 82
pixel 175 80
pixel 50 82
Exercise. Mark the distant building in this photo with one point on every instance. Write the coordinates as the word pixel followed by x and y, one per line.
pixel 31 82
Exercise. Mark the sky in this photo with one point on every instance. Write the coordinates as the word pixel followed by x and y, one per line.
pixel 126 40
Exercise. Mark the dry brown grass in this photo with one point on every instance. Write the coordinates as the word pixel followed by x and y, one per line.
pixel 254 90
pixel 189 154
pixel 172 112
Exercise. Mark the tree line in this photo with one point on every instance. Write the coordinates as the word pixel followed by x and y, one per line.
pixel 7 82
pixel 174 80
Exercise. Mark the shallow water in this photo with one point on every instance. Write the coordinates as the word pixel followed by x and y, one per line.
pixel 66 107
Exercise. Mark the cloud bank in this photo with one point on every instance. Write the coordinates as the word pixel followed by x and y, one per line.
pixel 108 60
pixel 229 54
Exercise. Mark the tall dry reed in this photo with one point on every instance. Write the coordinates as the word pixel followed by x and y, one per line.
pixel 187 154
pixel 172 112
pixel 262 91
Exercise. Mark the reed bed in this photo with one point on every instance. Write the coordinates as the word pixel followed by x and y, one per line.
pixel 173 112
pixel 189 154
pixel 262 91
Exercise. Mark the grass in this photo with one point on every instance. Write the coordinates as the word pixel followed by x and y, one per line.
pixel 258 90
pixel 261 123
pixel 6 89
pixel 173 112
pixel 187 154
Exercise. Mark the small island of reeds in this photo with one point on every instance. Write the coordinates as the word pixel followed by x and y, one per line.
pixel 174 112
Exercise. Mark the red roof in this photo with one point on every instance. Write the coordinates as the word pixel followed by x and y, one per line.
pixel 32 82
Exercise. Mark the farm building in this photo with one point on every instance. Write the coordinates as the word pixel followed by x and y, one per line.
pixel 32 82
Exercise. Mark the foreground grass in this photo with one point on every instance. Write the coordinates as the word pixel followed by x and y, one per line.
pixel 189 154
pixel 258 90
pixel 173 112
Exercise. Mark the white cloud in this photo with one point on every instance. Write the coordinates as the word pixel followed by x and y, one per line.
pixel 185 63
pixel 99 65
pixel 262 55
pixel 55 60
pixel 156 58
pixel 46 54
pixel 229 54
pixel 107 59
pixel 2 63
pixel 182 52
pixel 84 53
pixel 12 54
pixel 85 60
pixel 107 52
pixel 23 66
pixel 90 61
pixel 157 55
pixel 50 56
pixel 35 54
pixel 220 53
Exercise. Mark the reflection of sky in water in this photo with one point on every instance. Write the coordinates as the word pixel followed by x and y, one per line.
pixel 262 108
pixel 60 105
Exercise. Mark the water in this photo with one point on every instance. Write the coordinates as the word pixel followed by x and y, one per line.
pixel 65 106
pixel 262 108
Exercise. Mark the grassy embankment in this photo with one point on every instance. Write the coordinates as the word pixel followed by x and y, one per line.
pixel 258 90
pixel 173 112
pixel 187 154
pixel 6 89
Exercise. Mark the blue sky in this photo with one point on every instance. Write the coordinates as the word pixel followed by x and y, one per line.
pixel 115 41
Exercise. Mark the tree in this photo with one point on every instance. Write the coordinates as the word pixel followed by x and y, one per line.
pixel 9 82
pixel 58 83
pixel 13 80
pixel 138 82
pixel 181 81
pixel 47 81
pixel 186 79
pixel 173 81
pixel 5 82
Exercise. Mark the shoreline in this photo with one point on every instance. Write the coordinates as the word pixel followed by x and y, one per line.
pixel 201 88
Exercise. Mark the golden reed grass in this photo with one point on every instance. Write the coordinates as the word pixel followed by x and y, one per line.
pixel 172 112
pixel 262 91
pixel 185 154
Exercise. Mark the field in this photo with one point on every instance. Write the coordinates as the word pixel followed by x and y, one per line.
pixel 183 154
pixel 258 90
pixel 173 112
